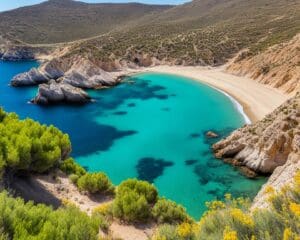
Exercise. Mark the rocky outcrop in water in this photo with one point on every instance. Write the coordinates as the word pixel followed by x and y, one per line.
pixel 80 73
pixel 271 145
pixel 85 74
pixel 66 79
pixel 60 93
pixel 267 144
pixel 33 77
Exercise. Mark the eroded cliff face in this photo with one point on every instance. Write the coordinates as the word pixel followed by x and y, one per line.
pixel 267 144
pixel 271 145
pixel 278 66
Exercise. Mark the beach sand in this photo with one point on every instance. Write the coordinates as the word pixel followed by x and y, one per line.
pixel 257 99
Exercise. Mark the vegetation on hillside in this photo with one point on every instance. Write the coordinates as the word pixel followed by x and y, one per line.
pixel 28 146
pixel 197 33
pixel 58 21
pixel 20 220
pixel 135 201
pixel 233 219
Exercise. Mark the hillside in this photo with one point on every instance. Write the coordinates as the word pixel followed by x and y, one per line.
pixel 278 66
pixel 198 33
pixel 56 21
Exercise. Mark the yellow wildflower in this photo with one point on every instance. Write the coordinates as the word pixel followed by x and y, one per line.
pixel 228 234
pixel 295 208
pixel 159 237
pixel 102 208
pixel 297 179
pixel 67 202
pixel 240 216
pixel 269 189
pixel 228 196
pixel 287 234
pixel 215 205
pixel 185 230
pixel 253 237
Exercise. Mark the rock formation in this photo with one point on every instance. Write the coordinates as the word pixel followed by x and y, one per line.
pixel 271 145
pixel 267 144
pixel 60 93
pixel 78 73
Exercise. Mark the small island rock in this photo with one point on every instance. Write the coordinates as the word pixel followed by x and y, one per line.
pixel 211 134
pixel 60 92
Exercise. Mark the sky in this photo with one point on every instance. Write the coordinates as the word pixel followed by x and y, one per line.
pixel 11 4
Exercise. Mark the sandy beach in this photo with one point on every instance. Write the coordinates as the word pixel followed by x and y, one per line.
pixel 257 99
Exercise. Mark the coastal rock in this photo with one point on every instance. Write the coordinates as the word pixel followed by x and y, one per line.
pixel 47 71
pixel 211 134
pixel 60 92
pixel 85 74
pixel 271 145
pixel 32 77
pixel 76 72
pixel 267 144
pixel 16 53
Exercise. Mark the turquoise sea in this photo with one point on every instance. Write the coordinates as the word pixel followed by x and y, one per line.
pixel 152 127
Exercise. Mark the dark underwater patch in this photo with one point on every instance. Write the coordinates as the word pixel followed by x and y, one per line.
pixel 131 104
pixel 120 113
pixel 190 162
pixel 203 174
pixel 195 135
pixel 166 109
pixel 150 168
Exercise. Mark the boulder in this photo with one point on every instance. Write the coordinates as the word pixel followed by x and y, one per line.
pixel 85 74
pixel 32 77
pixel 211 134
pixel 60 93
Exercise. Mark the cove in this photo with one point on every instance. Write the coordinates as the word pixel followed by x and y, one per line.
pixel 152 127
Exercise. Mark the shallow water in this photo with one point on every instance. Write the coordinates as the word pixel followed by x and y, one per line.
pixel 151 127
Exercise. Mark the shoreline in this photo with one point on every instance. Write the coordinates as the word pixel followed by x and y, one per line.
pixel 254 100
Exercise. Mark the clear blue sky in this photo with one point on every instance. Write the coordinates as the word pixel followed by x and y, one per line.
pixel 11 4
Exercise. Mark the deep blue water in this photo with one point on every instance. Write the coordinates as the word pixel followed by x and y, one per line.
pixel 151 127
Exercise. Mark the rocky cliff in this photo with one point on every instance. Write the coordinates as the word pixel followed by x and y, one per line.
pixel 267 144
pixel 271 145
pixel 278 66
pixel 54 92
pixel 66 76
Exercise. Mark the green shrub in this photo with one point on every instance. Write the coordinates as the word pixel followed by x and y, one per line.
pixel 19 220
pixel 95 183
pixel 74 178
pixel 69 166
pixel 133 200
pixel 166 211
pixel 30 146
pixel 142 188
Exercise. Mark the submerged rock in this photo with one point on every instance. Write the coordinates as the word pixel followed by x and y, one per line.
pixel 60 93
pixel 211 134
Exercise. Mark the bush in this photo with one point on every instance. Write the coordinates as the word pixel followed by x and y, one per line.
pixel 29 146
pixel 133 200
pixel 69 166
pixel 166 211
pixel 280 221
pixel 142 188
pixel 95 183
pixel 19 220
